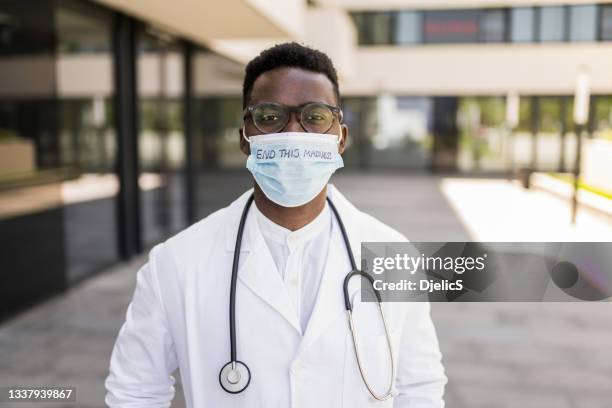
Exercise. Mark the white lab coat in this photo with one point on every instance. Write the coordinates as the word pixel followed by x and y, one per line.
pixel 178 317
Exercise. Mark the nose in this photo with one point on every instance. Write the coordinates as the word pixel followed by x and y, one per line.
pixel 294 123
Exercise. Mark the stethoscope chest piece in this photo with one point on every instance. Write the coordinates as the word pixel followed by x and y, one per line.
pixel 234 377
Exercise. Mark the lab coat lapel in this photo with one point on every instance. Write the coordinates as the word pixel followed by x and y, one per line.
pixel 257 270
pixel 330 300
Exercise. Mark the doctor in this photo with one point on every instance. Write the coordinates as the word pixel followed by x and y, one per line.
pixel 287 341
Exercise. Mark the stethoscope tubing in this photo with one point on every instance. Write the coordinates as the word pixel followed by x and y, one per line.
pixel 232 303
pixel 347 303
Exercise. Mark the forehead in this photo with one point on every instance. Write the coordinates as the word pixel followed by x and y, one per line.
pixel 292 86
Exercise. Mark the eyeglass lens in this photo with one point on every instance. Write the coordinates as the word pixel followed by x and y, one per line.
pixel 272 118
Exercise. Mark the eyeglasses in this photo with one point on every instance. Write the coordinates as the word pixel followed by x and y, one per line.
pixel 314 117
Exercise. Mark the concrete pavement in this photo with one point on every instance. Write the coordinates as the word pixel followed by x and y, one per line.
pixel 496 354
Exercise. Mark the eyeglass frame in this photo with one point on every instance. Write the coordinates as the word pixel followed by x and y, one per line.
pixel 336 111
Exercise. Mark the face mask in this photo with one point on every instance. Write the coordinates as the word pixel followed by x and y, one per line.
pixel 291 168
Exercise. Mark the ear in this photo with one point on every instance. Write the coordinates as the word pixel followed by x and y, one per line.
pixel 244 145
pixel 344 132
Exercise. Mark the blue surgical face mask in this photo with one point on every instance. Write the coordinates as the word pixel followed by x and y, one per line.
pixel 291 168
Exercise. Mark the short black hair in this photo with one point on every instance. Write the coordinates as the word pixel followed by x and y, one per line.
pixel 290 54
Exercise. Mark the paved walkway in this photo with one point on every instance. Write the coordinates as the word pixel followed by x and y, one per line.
pixel 496 354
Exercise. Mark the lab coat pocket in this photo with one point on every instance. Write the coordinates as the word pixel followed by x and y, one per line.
pixel 376 366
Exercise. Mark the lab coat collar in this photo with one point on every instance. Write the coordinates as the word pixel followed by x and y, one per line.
pixel 293 239
pixel 236 207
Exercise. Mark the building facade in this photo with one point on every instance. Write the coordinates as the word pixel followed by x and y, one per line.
pixel 108 143
pixel 453 63
pixel 119 120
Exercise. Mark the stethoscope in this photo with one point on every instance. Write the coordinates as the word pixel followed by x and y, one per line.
pixel 235 376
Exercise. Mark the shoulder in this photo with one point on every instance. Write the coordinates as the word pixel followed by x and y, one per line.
pixel 199 235
pixel 188 248
pixel 170 261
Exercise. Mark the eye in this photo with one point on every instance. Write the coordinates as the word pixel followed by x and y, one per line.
pixel 268 117
pixel 267 114
pixel 315 116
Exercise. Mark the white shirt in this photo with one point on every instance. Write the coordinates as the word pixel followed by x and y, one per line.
pixel 300 257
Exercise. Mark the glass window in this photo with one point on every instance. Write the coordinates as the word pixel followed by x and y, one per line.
pixel 374 28
pixel 86 135
pixel 550 127
pixel 409 27
pixel 451 26
pixel 58 183
pixel 380 25
pixel 606 23
pixel 583 23
pixel 388 131
pixel 522 24
pixel 81 32
pixel 493 26
pixel 602 119
pixel 25 29
pixel 552 23
pixel 525 120
pixel 359 20
pixel 161 142
pixel 483 142
pixel 360 115
pixel 219 164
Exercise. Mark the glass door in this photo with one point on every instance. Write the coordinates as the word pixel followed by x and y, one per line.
pixel 161 139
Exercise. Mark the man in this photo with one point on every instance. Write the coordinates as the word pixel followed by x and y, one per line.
pixel 286 341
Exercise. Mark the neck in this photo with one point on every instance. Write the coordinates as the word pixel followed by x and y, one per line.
pixel 292 218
